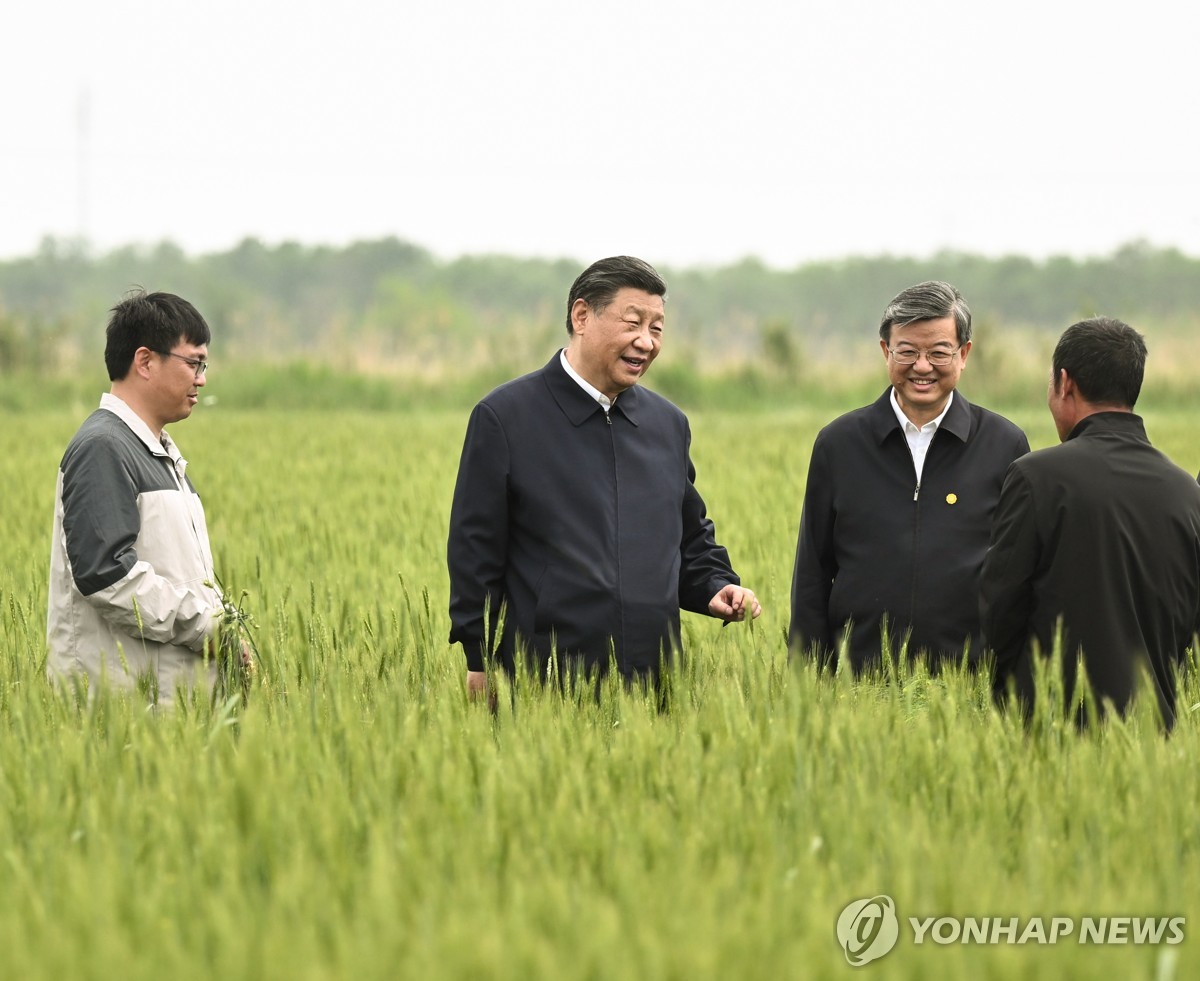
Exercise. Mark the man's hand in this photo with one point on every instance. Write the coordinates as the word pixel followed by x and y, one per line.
pixel 212 650
pixel 478 689
pixel 732 602
pixel 476 684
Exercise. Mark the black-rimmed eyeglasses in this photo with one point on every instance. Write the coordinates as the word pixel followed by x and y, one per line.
pixel 198 365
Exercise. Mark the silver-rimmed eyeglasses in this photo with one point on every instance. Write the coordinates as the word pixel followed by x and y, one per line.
pixel 939 358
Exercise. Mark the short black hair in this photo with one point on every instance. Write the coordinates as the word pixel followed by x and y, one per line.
pixel 1106 358
pixel 603 279
pixel 154 320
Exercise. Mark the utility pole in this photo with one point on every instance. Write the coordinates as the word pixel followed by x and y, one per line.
pixel 83 126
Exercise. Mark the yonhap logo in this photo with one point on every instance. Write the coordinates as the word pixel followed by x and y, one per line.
pixel 867 929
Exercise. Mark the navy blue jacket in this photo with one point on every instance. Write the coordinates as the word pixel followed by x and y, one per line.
pixel 587 527
pixel 873 543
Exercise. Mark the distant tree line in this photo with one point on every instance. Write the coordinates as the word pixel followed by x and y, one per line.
pixel 390 301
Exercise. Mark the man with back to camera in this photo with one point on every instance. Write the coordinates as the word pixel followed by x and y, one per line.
pixel 899 500
pixel 575 507
pixel 1100 534
pixel 132 596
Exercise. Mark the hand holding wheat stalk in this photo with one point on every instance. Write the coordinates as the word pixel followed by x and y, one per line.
pixel 236 652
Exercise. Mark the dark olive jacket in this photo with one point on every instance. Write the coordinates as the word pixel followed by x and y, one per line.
pixel 587 527
pixel 873 543
pixel 1104 532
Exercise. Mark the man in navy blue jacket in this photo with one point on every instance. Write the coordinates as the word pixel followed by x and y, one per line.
pixel 575 510
pixel 899 500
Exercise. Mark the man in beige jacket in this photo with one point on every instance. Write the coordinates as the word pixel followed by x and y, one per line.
pixel 133 601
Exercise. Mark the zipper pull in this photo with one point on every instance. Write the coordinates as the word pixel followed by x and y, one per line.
pixel 608 418
pixel 916 490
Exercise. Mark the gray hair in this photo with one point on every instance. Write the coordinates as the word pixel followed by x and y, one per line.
pixel 927 301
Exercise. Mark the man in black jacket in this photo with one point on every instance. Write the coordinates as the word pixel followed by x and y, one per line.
pixel 575 509
pixel 1100 535
pixel 899 500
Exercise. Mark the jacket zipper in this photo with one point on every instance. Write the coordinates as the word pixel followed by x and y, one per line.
pixel 189 507
pixel 612 438
pixel 912 595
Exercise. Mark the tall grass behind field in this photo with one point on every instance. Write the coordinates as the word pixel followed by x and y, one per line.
pixel 1008 365
pixel 359 818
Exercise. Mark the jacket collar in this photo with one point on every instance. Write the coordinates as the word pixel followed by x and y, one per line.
pixel 575 403
pixel 137 425
pixel 1125 423
pixel 884 421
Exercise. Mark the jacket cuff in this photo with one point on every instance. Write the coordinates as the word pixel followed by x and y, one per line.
pixel 474 652
pixel 717 583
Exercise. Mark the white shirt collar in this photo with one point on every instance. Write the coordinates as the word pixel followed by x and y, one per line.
pixel 605 402
pixel 909 426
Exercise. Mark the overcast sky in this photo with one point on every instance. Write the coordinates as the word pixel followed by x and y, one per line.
pixel 683 132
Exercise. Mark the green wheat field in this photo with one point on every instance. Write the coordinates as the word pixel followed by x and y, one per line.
pixel 358 818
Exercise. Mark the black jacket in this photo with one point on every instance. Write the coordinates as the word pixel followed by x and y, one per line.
pixel 587 527
pixel 874 543
pixel 1103 531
